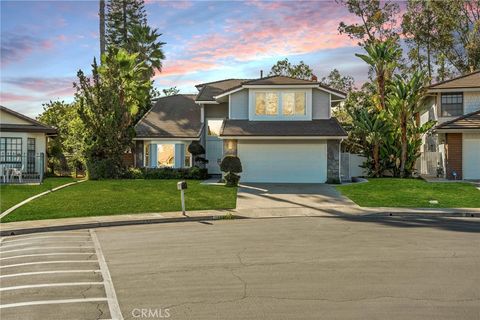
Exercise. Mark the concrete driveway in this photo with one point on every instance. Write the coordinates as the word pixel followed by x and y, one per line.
pixel 287 199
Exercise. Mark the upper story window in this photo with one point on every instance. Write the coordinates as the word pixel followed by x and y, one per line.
pixel 284 103
pixel 452 104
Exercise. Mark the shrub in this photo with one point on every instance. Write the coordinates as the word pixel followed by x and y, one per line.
pixel 193 173
pixel 196 148
pixel 133 173
pixel 103 169
pixel 231 165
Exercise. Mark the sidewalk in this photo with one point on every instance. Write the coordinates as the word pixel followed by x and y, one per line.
pixel 24 227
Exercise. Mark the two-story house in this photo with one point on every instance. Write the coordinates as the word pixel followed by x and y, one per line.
pixel 455 105
pixel 281 128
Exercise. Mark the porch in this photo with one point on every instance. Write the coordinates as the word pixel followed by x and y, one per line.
pixel 22 168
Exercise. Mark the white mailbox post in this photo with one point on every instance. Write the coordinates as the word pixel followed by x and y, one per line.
pixel 182 185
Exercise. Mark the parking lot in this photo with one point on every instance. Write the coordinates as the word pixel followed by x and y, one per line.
pixel 56 275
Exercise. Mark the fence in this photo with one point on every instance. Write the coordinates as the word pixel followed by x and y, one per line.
pixel 350 166
pixel 429 162
pixel 21 168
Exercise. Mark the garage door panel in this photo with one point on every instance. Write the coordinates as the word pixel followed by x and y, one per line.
pixel 471 156
pixel 275 162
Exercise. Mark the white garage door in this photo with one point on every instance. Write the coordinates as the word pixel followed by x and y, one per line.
pixel 283 162
pixel 471 155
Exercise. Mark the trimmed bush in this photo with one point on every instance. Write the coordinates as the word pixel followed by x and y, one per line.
pixel 193 173
pixel 231 165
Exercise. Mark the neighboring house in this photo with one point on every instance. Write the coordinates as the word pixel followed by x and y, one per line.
pixel 281 128
pixel 455 105
pixel 23 144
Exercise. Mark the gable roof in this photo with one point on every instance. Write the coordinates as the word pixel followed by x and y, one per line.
pixel 468 121
pixel 312 128
pixel 211 89
pixel 176 116
pixel 470 80
pixel 34 126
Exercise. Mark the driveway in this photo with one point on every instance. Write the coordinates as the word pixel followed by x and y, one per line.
pixel 289 199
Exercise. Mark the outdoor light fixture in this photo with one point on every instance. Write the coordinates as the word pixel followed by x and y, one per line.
pixel 230 145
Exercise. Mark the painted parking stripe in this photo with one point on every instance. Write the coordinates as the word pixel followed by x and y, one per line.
pixel 47 285
pixel 113 305
pixel 43 302
pixel 46 262
pixel 44 248
pixel 26 274
pixel 44 242
pixel 48 254
pixel 43 237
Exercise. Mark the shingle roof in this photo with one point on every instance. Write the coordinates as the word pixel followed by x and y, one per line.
pixel 35 126
pixel 320 127
pixel 471 80
pixel 209 90
pixel 175 116
pixel 467 121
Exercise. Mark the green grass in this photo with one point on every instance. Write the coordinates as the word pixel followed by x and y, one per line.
pixel 413 193
pixel 109 197
pixel 10 195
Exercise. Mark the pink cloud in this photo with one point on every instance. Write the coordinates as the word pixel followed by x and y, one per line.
pixel 6 97
pixel 179 67
pixel 15 47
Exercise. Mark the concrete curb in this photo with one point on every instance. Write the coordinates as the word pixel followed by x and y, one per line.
pixel 99 224
pixel 18 205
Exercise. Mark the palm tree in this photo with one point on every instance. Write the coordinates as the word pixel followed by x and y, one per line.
pixel 382 56
pixel 101 14
pixel 404 103
pixel 144 41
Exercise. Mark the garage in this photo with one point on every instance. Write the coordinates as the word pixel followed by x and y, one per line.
pixel 283 162
pixel 471 156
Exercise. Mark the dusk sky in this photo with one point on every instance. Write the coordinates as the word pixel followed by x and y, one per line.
pixel 44 43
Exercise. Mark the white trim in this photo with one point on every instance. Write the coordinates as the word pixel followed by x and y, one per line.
pixel 453 90
pixel 43 302
pixel 228 93
pixel 329 106
pixel 229 106
pixel 338 94
pixel 202 114
pixel 206 102
pixel 283 137
pixel 457 130
pixel 113 305
pixel 47 285
pixel 289 86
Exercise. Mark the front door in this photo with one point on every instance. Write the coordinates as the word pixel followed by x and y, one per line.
pixel 214 147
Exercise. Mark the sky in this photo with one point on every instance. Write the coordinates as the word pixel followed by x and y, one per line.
pixel 45 43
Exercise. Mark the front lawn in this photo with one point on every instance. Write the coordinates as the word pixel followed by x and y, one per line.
pixel 109 197
pixel 413 193
pixel 10 195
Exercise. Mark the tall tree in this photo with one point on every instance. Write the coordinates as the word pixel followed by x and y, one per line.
pixel 108 103
pixel 337 81
pixel 122 16
pixel 378 20
pixel 101 14
pixel 285 68
pixel 382 56
pixel 171 91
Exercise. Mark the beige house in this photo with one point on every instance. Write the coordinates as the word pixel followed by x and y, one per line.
pixel 23 143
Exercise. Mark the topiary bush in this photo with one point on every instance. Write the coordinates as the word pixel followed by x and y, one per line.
pixel 231 165
pixel 196 149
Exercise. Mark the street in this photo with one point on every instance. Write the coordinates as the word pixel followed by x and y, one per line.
pixel 280 268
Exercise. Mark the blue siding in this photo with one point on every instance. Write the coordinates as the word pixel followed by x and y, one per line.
pixel 153 155
pixel 179 155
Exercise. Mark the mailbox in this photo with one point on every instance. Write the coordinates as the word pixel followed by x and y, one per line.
pixel 182 185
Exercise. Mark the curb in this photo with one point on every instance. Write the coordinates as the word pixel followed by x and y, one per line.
pixel 18 205
pixel 91 225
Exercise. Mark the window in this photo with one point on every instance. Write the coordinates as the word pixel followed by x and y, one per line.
pixel 147 154
pixel 452 104
pixel 214 127
pixel 188 158
pixel 166 155
pixel 11 150
pixel 293 103
pixel 30 155
pixel 266 103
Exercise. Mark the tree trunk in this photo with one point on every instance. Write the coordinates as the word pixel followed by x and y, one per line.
pixel 376 159
pixel 102 26
pixel 403 157
pixel 125 28
pixel 381 90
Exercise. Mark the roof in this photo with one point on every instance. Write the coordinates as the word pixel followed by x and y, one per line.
pixel 465 122
pixel 318 127
pixel 211 89
pixel 176 116
pixel 470 80
pixel 34 126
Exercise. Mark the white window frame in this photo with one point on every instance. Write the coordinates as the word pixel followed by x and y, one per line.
pixel 279 116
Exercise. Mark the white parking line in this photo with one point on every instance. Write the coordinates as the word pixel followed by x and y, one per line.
pixel 47 254
pixel 44 248
pixel 113 305
pixel 44 242
pixel 42 237
pixel 43 302
pixel 46 285
pixel 46 262
pixel 24 274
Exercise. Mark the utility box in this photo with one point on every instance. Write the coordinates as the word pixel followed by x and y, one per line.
pixel 182 185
